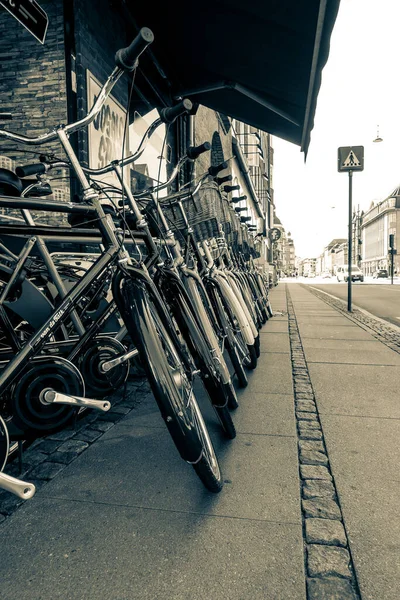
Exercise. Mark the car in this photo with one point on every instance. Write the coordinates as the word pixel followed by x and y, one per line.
pixel 380 273
pixel 326 275
pixel 342 273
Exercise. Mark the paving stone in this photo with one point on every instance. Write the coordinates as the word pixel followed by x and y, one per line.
pixel 88 435
pixel 303 387
pixel 305 416
pixel 34 458
pixel 318 488
pixel 309 424
pixel 110 416
pixel 76 446
pixel 314 472
pixel 63 458
pixel 302 378
pixel 304 396
pixel 102 425
pixel 48 446
pixel 324 561
pixel 312 457
pixel 309 446
pixel 46 470
pixel 2 518
pixel 324 508
pixel 9 503
pixel 66 434
pixel 310 434
pixel 122 410
pixel 325 531
pixel 305 406
pixel 330 588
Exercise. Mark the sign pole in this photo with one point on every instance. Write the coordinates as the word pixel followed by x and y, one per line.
pixel 349 252
pixel 350 158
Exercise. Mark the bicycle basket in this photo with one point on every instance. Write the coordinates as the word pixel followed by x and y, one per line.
pixel 201 211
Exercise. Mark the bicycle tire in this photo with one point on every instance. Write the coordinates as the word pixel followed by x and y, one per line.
pixel 148 331
pixel 253 357
pixel 257 346
pixel 198 347
pixel 231 341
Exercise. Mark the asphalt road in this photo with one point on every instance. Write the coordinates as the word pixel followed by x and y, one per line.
pixel 381 300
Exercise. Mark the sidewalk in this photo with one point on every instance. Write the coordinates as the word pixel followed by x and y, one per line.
pixel 128 519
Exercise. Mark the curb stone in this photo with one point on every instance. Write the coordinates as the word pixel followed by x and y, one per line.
pixel 328 562
pixel 46 457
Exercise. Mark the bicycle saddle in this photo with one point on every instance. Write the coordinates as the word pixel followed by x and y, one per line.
pixel 12 185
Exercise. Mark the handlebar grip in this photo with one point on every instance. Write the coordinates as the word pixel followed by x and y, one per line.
pixel 27 170
pixel 238 199
pixel 126 58
pixel 170 114
pixel 194 152
pixel 221 180
pixel 5 116
pixel 216 169
pixel 231 188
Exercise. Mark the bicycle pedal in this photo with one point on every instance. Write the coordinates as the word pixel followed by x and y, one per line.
pixel 20 488
pixel 49 396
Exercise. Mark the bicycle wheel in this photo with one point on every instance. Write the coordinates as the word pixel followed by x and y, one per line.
pixel 198 348
pixel 171 384
pixel 231 342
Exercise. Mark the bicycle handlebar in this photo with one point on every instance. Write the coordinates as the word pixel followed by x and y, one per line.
pixel 194 152
pixel 170 114
pixel 34 169
pixel 214 170
pixel 127 58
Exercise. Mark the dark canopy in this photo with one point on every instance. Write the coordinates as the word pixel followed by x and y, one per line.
pixel 258 61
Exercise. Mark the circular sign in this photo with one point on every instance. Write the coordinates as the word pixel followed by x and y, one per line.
pixel 274 234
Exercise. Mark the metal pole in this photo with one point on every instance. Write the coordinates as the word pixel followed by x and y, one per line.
pixel 391 265
pixel 350 240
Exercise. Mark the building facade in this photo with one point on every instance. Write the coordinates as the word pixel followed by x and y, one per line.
pixel 377 224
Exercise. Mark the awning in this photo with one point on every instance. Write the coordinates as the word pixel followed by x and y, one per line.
pixel 258 61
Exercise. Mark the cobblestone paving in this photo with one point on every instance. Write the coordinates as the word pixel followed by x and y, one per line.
pixel 48 456
pixel 329 567
pixel 384 332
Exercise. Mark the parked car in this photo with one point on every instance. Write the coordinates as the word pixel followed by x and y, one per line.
pixel 342 273
pixel 326 275
pixel 380 273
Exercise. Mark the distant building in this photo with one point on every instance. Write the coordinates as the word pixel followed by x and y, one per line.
pixel 327 261
pixel 376 225
pixel 307 267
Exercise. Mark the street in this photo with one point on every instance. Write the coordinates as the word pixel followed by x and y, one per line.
pixel 379 298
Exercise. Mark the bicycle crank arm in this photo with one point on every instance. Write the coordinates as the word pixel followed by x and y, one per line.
pixel 52 397
pixel 110 364
pixel 20 488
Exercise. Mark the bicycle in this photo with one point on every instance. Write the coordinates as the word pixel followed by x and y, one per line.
pixel 168 368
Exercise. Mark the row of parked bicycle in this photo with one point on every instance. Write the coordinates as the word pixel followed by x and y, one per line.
pixel 167 279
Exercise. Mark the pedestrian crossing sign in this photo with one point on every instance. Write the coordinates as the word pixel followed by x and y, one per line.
pixel 351 158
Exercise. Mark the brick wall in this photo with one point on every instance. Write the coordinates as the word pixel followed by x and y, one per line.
pixel 32 85
pixel 206 124
pixel 99 33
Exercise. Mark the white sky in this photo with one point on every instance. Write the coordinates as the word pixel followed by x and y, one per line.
pixel 360 90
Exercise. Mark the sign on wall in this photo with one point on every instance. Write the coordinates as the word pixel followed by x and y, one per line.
pixel 30 15
pixel 106 132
